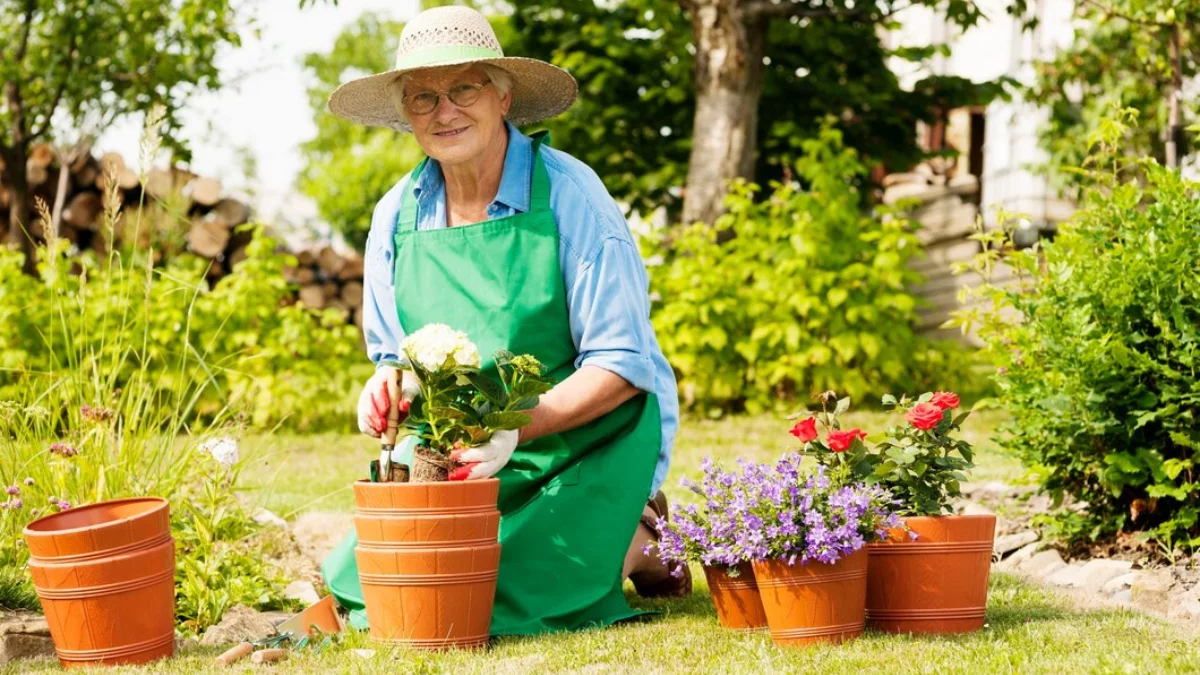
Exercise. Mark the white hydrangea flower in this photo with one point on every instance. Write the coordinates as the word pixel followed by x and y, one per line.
pixel 224 450
pixel 438 347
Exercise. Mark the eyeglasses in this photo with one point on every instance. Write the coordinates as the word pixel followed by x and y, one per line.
pixel 462 95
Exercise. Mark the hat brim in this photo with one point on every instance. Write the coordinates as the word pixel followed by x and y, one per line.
pixel 539 91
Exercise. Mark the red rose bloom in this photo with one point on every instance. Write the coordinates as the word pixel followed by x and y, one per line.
pixel 946 400
pixel 924 416
pixel 805 430
pixel 841 440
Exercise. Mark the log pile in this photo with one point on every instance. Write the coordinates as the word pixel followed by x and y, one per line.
pixel 174 210
pixel 947 211
pixel 329 280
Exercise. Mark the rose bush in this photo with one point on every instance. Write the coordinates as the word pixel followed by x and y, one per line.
pixel 920 463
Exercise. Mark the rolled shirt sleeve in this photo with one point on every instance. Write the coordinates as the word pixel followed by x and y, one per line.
pixel 610 313
pixel 382 332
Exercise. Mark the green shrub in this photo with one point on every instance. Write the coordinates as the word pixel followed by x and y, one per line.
pixel 1098 350
pixel 272 362
pixel 802 292
pixel 112 372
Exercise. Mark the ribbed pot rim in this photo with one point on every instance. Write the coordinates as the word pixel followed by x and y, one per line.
pixel 448 485
pixel 961 518
pixel 42 527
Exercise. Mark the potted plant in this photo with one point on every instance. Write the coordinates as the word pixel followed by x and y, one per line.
pixel 427 551
pixel 806 538
pixel 705 534
pixel 932 579
pixel 459 406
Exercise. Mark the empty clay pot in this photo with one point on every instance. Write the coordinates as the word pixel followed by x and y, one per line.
pixel 736 598
pixel 428 559
pixel 815 602
pixel 105 575
pixel 936 583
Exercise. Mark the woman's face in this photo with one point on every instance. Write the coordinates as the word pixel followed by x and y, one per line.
pixel 449 133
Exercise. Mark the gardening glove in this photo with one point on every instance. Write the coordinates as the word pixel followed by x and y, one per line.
pixel 484 461
pixel 386 389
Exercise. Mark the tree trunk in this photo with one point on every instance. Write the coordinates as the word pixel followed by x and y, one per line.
pixel 729 80
pixel 1174 93
pixel 20 222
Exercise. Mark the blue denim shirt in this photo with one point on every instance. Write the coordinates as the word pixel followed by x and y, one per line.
pixel 603 273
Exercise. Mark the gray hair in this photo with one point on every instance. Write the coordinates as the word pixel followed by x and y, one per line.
pixel 498 76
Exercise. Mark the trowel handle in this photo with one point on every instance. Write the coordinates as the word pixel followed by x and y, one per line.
pixel 393 426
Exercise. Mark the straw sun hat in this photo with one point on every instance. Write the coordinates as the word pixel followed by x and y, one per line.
pixel 447 36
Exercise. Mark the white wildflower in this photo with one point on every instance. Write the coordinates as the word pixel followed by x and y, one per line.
pixel 439 347
pixel 224 450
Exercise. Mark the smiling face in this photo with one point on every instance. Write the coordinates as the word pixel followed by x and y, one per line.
pixel 452 134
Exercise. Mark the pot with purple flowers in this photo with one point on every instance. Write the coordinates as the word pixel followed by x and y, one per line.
pixel 807 537
pixel 801 538
pixel 932 579
pixel 706 534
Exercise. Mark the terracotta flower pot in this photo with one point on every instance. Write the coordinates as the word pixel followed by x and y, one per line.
pixel 816 602
pixel 936 583
pixel 736 598
pixel 428 558
pixel 105 575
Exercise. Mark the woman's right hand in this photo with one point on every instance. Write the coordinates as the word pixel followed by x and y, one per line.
pixel 387 389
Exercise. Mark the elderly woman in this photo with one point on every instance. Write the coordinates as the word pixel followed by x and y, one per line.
pixel 520 246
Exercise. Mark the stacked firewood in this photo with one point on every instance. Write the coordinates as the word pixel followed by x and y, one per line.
pixel 329 280
pixel 174 210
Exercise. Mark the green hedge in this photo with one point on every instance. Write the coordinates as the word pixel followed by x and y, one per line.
pixel 800 292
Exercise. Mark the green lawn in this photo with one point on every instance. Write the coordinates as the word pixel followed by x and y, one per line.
pixel 1028 630
pixel 294 474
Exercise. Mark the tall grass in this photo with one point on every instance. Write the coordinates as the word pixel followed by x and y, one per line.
pixel 108 388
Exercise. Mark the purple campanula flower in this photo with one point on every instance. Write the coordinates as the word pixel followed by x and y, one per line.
pixel 13 490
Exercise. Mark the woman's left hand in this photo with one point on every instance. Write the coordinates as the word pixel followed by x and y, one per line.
pixel 485 460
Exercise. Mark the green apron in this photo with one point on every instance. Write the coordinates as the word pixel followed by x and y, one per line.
pixel 570 502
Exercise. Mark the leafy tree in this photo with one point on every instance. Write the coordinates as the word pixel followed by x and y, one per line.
pixel 1131 54
pixel 77 59
pixel 633 122
pixel 649 121
pixel 349 165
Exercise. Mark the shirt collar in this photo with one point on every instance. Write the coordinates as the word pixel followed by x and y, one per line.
pixel 514 181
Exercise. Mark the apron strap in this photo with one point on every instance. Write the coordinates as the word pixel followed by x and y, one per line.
pixel 407 220
pixel 539 191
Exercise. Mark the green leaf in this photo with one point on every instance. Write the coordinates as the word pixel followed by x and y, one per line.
pixel 837 296
pixel 1173 467
pixel 477 434
pixel 534 388
pixel 490 389
pixel 888 399
pixel 506 420
pixel 525 403
pixel 448 413
pixel 843 405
